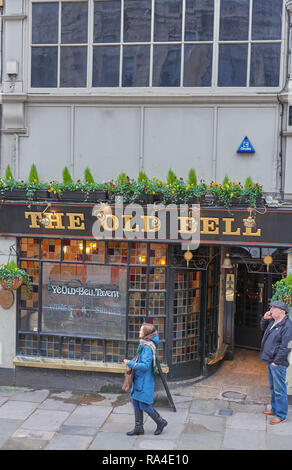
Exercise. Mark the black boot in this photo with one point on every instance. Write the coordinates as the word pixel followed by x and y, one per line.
pixel 138 425
pixel 161 423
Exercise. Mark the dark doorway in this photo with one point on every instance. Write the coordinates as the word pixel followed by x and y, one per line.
pixel 254 291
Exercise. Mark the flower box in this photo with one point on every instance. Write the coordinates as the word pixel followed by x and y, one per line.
pixel 41 194
pixel 18 194
pixel 96 196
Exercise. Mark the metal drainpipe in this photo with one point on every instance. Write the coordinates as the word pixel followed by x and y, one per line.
pixel 281 102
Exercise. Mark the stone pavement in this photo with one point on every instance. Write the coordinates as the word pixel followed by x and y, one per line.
pixel 221 412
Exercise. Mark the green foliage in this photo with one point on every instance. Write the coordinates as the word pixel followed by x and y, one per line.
pixel 88 176
pixel 67 178
pixel 248 183
pixel 33 174
pixel 171 177
pixel 283 290
pixel 142 177
pixel 226 181
pixel 192 177
pixel 122 178
pixel 8 173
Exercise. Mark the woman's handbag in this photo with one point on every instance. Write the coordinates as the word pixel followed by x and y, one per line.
pixel 128 380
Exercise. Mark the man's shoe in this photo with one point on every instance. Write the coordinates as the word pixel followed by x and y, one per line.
pixel 269 413
pixel 276 420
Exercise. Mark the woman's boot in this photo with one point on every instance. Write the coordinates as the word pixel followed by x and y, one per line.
pixel 161 423
pixel 138 425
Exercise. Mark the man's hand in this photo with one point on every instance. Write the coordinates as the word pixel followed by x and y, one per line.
pixel 273 364
pixel 268 315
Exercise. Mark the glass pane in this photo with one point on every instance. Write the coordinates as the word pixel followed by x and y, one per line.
pixel 234 20
pixel 29 248
pixel 198 65
pixel 168 20
pixel 157 279
pixel 138 278
pixel 51 249
pixel 73 67
pixel 265 64
pixel 28 345
pixel 115 351
pixel 29 301
pixel 156 303
pixel 106 66
pixel 117 252
pixel 137 20
pixel 93 350
pixel 232 65
pixel 166 65
pixel 74 22
pixel 45 23
pixel 136 65
pixel 267 19
pixel 95 251
pixel 84 299
pixel 72 250
pixel 138 253
pixel 49 346
pixel 199 20
pixel 107 21
pixel 44 62
pixel 137 304
pixel 32 269
pixel 158 252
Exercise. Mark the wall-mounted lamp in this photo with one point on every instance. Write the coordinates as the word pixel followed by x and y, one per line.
pixel 250 222
pixel 45 219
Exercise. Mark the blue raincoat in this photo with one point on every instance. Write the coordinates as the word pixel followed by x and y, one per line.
pixel 143 382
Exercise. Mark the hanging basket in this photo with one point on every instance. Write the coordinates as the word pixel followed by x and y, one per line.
pixel 11 283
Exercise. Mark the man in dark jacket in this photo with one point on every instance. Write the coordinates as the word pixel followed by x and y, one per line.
pixel 275 349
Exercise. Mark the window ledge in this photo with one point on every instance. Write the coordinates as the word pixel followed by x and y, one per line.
pixel 68 364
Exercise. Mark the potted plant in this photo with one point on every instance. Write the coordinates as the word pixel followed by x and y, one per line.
pixel 11 277
pixel 253 193
pixel 11 188
pixel 94 192
pixel 283 290
pixel 34 188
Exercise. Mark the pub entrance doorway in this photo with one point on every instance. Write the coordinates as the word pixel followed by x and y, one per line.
pixel 253 293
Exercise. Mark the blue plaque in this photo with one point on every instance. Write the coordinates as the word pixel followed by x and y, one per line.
pixel 246 146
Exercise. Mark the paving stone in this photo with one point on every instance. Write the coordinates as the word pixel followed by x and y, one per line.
pixel 169 432
pixel 248 421
pixel 203 423
pixel 125 409
pixel 90 415
pixel 46 420
pixel 247 407
pixel 3 400
pixel 7 428
pixel 113 441
pixel 80 430
pixel 17 410
pixel 68 442
pixel 57 405
pixel 155 444
pixel 273 442
pixel 242 439
pixel 24 444
pixel 208 407
pixel 33 434
pixel 36 396
pixel 204 441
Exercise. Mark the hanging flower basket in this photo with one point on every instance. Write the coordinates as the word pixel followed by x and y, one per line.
pixel 12 277
pixel 11 283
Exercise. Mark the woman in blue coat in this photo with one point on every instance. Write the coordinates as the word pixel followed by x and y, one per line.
pixel 142 390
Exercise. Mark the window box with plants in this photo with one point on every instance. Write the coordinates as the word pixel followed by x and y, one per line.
pixel 69 191
pixel 12 277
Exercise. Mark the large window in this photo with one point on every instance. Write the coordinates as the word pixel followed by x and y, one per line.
pixel 89 298
pixel 156 43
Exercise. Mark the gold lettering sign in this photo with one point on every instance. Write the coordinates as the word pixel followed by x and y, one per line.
pixel 210 225
pixel 127 227
pixel 152 218
pixel 34 216
pixel 75 221
pixel 187 225
pixel 250 233
pixel 115 223
pixel 228 228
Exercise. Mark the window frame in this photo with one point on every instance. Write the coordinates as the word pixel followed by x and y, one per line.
pixel 180 90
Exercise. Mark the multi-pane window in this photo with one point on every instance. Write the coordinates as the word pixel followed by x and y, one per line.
pixel 156 43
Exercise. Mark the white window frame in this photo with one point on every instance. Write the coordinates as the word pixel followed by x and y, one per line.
pixel 150 90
